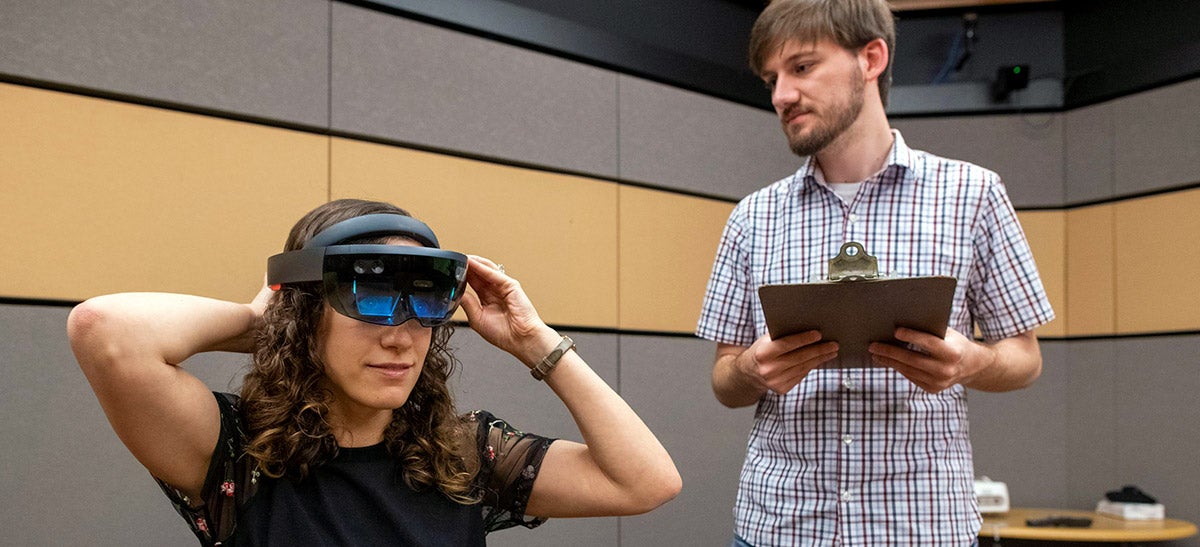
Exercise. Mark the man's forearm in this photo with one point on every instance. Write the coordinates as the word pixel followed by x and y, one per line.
pixel 1016 363
pixel 730 386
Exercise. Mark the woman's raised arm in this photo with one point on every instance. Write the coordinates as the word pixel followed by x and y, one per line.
pixel 622 468
pixel 130 346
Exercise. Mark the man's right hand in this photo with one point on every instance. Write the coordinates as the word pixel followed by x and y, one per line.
pixel 741 375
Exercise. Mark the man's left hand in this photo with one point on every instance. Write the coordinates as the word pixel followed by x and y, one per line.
pixel 936 364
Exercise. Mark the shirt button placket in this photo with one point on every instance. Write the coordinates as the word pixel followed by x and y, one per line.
pixel 846 495
pixel 851 227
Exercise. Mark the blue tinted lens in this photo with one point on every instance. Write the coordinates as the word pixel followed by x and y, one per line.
pixel 391 288
pixel 429 305
pixel 374 299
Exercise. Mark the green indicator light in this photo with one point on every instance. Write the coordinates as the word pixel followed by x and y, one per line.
pixel 1016 70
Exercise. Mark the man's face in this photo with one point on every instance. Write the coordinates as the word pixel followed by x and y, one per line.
pixel 817 90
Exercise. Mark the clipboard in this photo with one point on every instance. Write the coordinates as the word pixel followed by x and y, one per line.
pixel 856 306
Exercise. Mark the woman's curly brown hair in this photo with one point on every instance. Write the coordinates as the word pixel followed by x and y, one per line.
pixel 286 408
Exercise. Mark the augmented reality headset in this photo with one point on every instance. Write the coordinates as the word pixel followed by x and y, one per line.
pixel 379 284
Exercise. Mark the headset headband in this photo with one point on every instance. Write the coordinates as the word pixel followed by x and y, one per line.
pixel 305 264
pixel 376 224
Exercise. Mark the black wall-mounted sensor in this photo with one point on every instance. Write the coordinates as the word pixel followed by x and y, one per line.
pixel 1008 79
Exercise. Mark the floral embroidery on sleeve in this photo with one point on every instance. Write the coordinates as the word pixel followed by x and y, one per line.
pixel 510 460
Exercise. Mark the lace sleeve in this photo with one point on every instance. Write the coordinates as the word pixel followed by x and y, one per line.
pixel 509 463
pixel 229 483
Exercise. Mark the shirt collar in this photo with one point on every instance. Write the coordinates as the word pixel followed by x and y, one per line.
pixel 898 163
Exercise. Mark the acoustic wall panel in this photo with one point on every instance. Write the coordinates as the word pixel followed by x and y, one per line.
pixel 1155 259
pixel 1090 270
pixel 1094 402
pixel 1026 150
pixel 1088 153
pixel 1046 232
pixel 695 143
pixel 70 481
pixel 556 234
pixel 494 380
pixel 1155 138
pixel 1020 437
pixel 399 79
pixel 668 381
pixel 1156 424
pixel 668 243
pixel 102 196
pixel 265 59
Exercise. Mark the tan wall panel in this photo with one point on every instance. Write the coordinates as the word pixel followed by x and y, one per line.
pixel 555 233
pixel 1090 285
pixel 1046 232
pixel 102 196
pixel 668 242
pixel 1156 263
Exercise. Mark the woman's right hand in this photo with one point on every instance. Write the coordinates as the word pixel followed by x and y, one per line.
pixel 259 304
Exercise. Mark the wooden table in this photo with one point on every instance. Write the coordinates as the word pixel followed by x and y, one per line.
pixel 1104 529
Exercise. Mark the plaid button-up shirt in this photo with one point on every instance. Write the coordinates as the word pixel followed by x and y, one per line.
pixel 863 456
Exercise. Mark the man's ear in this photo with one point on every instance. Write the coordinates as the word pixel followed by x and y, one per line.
pixel 873 58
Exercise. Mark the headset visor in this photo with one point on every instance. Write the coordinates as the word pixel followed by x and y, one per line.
pixel 380 284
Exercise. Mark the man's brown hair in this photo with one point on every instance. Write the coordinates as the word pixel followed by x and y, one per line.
pixel 851 24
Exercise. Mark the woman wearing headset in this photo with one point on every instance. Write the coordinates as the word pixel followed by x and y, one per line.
pixel 344 431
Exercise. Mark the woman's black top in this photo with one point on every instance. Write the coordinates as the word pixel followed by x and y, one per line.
pixel 359 497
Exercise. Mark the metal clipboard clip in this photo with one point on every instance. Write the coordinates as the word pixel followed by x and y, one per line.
pixel 853 264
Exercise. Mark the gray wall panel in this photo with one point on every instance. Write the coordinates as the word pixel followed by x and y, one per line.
pixel 1089 153
pixel 71 459
pixel 67 479
pixel 1092 415
pixel 400 79
pixel 668 381
pixel 1018 437
pixel 493 380
pixel 1157 381
pixel 1025 149
pixel 693 142
pixel 1155 138
pixel 267 59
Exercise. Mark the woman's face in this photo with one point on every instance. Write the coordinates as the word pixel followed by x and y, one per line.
pixel 371 367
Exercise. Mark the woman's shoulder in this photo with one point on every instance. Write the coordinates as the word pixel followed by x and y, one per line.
pixel 485 420
pixel 492 431
pixel 231 400
pixel 481 420
pixel 230 406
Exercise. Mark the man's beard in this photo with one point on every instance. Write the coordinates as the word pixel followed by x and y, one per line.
pixel 842 116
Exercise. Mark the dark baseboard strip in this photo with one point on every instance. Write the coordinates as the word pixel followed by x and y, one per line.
pixel 1134 195
pixel 53 303
pixel 44 302
pixel 1159 334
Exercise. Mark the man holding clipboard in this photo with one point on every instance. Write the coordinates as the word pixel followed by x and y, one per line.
pixel 874 455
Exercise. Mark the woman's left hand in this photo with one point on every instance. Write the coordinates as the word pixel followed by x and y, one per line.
pixel 622 469
pixel 502 314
